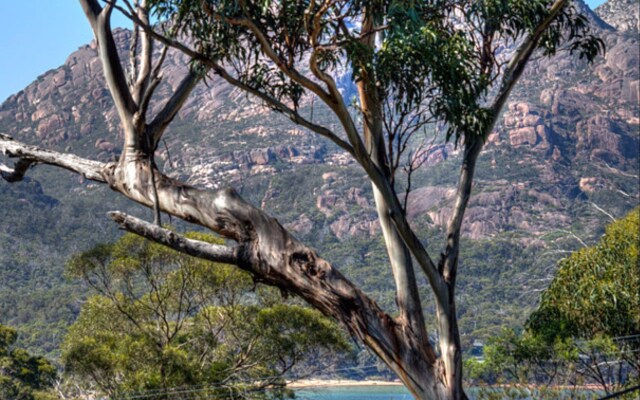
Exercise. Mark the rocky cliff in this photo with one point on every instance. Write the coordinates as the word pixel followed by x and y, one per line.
pixel 623 15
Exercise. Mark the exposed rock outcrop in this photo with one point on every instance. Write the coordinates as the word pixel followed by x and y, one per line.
pixel 621 14
pixel 564 117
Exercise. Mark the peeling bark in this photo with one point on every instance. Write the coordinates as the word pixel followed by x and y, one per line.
pixel 265 249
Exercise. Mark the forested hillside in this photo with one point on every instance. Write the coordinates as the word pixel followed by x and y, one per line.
pixel 562 163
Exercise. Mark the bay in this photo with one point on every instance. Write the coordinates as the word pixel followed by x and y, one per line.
pixel 400 393
pixel 355 393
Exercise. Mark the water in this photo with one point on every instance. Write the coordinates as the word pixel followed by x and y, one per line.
pixel 400 393
pixel 355 393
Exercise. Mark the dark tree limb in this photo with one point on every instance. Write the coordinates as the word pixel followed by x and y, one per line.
pixel 16 173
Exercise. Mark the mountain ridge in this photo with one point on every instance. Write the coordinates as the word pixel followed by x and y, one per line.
pixel 567 146
pixel 623 15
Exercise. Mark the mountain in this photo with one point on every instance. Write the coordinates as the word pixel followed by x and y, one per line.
pixel 564 158
pixel 623 15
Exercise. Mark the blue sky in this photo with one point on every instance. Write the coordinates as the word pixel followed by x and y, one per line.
pixel 38 35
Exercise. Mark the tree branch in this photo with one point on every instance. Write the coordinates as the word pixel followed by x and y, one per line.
pixel 133 56
pixel 268 50
pixel 313 60
pixel 265 249
pixel 156 78
pixel 467 171
pixel 356 147
pixel 516 66
pixel 283 108
pixel 172 106
pixel 100 21
pixel 93 170
pixel 473 146
pixel 406 286
pixel 333 99
pixel 143 78
pixel 195 248
pixel 218 69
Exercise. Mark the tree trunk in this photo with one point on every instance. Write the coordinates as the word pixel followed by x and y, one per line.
pixel 449 366
pixel 275 257
pixel 265 249
pixel 450 349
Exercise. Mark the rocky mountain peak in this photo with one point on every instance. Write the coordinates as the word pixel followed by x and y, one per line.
pixel 624 15
pixel 564 118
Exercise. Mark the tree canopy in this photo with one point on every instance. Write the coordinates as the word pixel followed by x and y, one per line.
pixel 597 289
pixel 23 376
pixel 436 60
pixel 162 321
pixel 587 327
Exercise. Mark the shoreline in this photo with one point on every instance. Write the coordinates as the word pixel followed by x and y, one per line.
pixel 317 383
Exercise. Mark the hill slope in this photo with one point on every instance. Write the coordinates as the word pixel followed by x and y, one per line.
pixel 565 156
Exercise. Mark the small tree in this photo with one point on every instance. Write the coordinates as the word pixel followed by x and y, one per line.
pixel 597 289
pixel 413 63
pixel 163 323
pixel 587 327
pixel 23 376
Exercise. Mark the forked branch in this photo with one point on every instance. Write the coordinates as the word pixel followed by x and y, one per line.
pixel 265 249
pixel 474 145
pixel 100 20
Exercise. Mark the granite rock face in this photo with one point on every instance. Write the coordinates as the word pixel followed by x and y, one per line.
pixel 569 133
pixel 623 15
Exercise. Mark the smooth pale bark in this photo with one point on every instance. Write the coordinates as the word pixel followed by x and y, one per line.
pixel 448 370
pixel 407 296
pixel 446 311
pixel 265 249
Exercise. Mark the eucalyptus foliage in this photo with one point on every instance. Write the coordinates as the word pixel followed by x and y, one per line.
pixel 22 375
pixel 587 327
pixel 439 57
pixel 597 289
pixel 163 322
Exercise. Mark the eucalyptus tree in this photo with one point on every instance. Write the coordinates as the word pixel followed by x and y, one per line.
pixel 448 63
pixel 587 327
